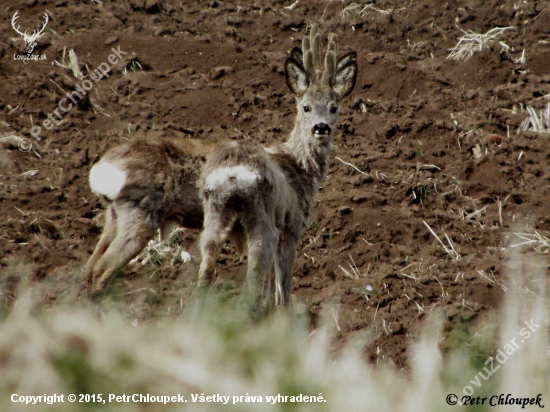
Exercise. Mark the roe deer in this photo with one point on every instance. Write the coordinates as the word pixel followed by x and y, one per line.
pixel 263 197
pixel 148 184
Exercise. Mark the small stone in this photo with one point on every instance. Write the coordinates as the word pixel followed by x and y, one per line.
pixel 219 72
pixel 344 210
pixel 111 40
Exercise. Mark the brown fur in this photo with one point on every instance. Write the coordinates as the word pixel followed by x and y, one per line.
pixel 160 191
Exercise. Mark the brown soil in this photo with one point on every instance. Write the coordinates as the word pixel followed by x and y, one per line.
pixel 435 141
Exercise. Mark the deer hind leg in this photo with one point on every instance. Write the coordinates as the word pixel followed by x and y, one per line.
pixel 107 236
pixel 217 227
pixel 134 228
pixel 286 255
pixel 262 247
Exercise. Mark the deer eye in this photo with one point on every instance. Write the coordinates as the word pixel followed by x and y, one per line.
pixel 307 109
pixel 333 109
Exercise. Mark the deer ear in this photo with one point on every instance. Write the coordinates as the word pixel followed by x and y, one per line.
pixel 345 59
pixel 344 79
pixel 296 77
pixel 297 55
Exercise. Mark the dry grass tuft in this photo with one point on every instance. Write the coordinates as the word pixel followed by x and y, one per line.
pixel 471 43
pixel 363 10
pixel 536 123
pixel 157 252
pixel 535 240
pixel 451 249
pixel 72 64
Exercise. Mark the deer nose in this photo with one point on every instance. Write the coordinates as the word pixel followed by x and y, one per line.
pixel 321 128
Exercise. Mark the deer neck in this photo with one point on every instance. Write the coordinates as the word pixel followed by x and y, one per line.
pixel 311 157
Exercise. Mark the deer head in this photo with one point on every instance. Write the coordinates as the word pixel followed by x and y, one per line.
pixel 30 40
pixel 319 90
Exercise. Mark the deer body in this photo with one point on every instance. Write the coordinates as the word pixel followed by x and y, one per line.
pixel 263 197
pixel 148 184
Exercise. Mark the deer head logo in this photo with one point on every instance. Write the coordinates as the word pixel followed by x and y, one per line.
pixel 30 40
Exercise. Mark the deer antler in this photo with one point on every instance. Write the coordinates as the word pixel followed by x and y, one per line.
pixel 311 47
pixel 330 59
pixel 308 57
pixel 310 50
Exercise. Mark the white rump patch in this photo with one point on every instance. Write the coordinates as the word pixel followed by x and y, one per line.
pixel 240 176
pixel 185 256
pixel 107 179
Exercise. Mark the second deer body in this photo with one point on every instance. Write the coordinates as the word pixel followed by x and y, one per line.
pixel 147 184
pixel 262 197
